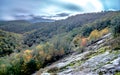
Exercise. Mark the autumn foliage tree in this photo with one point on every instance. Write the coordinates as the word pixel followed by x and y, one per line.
pixel 94 35
pixel 82 41
pixel 104 31
pixel 79 41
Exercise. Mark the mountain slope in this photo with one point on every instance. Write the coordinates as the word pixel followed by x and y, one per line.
pixel 40 32
pixel 100 60
pixel 48 30
pixel 9 42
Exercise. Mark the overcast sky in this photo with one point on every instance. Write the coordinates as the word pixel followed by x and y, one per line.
pixel 19 9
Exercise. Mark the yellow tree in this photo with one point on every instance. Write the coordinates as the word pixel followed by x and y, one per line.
pixel 104 31
pixel 77 40
pixel 94 35
pixel 27 55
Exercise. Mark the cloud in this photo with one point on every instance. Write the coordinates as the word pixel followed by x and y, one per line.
pixel 86 5
pixel 62 14
pixel 23 17
pixel 72 7
pixel 7 17
pixel 111 9
pixel 11 8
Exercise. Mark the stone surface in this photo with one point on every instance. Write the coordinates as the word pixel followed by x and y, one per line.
pixel 106 63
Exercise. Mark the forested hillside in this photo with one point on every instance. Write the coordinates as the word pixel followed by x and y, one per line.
pixel 80 23
pixel 27 47
pixel 9 42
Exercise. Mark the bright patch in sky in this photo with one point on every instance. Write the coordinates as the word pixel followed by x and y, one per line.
pixel 23 9
pixel 87 5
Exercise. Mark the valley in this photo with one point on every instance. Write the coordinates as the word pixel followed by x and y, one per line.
pixel 83 44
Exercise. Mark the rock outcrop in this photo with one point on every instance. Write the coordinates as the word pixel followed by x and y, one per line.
pixel 97 59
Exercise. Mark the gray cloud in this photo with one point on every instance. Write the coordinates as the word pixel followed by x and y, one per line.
pixel 73 7
pixel 22 17
pixel 23 8
pixel 62 14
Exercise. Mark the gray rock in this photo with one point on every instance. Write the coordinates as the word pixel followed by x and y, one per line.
pixel 109 66
pixel 96 60
pixel 100 42
pixel 116 61
pixel 117 68
pixel 45 74
pixel 107 35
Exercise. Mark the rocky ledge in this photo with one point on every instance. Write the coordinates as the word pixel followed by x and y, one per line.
pixel 97 59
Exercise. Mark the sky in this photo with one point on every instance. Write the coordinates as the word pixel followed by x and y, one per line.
pixel 53 9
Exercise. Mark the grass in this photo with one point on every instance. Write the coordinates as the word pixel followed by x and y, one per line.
pixel 72 64
pixel 99 51
pixel 116 52
pixel 53 70
pixel 86 57
pixel 117 73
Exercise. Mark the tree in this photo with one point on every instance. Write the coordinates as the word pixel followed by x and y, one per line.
pixel 86 30
pixel 104 31
pixel 116 26
pixel 84 42
pixel 27 55
pixel 94 35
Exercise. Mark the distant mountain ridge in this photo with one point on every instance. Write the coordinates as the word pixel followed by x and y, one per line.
pixel 39 19
pixel 42 31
